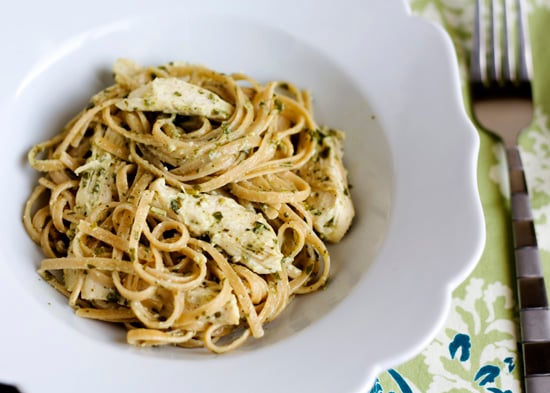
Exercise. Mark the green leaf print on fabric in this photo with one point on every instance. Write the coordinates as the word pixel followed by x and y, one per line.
pixel 456 17
pixel 483 315
pixel 535 151
pixel 475 352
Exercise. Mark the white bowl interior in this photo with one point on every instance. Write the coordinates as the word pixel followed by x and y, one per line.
pixel 61 84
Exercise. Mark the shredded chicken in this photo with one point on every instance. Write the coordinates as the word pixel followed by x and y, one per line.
pixel 242 233
pixel 174 95
pixel 329 202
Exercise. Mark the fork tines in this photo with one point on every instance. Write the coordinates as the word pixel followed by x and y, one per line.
pixel 501 53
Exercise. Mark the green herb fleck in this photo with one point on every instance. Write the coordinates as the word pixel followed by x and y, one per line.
pixel 175 204
pixel 259 227
pixel 329 223
pixel 317 135
pixel 113 297
pixel 225 128
pixel 99 250
pixel 278 105
pixel 325 152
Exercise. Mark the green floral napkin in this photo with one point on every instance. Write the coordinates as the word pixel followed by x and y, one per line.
pixel 476 351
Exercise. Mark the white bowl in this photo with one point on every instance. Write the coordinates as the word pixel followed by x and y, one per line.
pixel 390 80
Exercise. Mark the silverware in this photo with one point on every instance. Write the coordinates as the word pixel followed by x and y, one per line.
pixel 500 89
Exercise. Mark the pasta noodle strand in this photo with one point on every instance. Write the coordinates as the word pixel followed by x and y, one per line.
pixel 189 225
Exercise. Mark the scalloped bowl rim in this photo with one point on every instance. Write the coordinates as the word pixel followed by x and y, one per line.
pixel 431 221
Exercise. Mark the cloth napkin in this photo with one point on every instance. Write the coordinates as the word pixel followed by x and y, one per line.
pixel 476 350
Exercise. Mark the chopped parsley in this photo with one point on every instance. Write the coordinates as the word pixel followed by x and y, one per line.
pixel 113 297
pixel 225 128
pixel 259 227
pixel 278 105
pixel 175 204
pixel 325 152
pixel 329 223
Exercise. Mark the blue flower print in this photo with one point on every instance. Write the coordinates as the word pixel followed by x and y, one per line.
pixel 461 341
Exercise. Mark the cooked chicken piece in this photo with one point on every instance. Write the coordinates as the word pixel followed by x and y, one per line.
pixel 199 296
pixel 330 202
pixel 174 95
pixel 96 187
pixel 98 285
pixel 97 178
pixel 129 74
pixel 242 233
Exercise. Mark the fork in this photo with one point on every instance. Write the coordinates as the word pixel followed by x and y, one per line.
pixel 500 91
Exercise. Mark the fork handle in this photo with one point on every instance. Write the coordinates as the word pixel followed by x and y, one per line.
pixel 533 301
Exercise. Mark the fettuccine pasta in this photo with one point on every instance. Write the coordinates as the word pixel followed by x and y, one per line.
pixel 188 205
